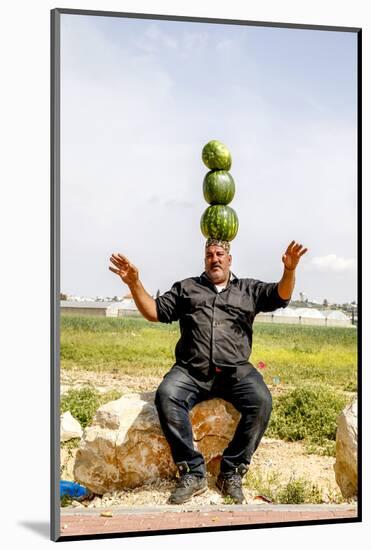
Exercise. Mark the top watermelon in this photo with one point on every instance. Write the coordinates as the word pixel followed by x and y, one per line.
pixel 216 156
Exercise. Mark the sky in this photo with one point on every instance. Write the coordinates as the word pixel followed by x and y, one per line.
pixel 139 100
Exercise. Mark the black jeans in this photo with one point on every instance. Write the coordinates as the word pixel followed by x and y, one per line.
pixel 179 391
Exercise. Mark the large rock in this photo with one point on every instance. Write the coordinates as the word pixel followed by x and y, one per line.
pixel 125 446
pixel 70 427
pixel 346 451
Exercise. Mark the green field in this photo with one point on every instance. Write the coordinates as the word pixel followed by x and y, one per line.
pixel 311 372
pixel 295 354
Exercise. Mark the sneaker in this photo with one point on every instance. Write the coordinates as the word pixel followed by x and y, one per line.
pixel 230 484
pixel 188 486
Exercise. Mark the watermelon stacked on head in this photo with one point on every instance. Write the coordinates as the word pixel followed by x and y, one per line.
pixel 219 221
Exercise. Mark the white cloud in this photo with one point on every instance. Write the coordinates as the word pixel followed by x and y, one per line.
pixel 331 262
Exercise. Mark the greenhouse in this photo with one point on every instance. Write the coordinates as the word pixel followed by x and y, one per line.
pixel 305 316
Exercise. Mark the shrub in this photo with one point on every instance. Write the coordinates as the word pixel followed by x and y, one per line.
pixel 83 403
pixel 307 413
pixel 299 491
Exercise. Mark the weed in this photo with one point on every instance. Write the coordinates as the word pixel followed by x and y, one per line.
pixel 328 448
pixel 71 443
pixel 262 485
pixel 66 501
pixel 299 491
pixel 83 403
pixel 295 491
pixel 350 386
pixel 228 499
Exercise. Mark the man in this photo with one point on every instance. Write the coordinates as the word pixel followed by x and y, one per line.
pixel 215 311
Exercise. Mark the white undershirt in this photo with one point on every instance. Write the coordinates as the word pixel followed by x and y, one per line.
pixel 219 288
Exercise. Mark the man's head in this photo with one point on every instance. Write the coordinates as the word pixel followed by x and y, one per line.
pixel 217 261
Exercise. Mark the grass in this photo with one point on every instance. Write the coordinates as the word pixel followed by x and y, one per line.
pixel 134 346
pixel 130 346
pixel 316 368
pixel 310 354
pixel 297 490
pixel 83 404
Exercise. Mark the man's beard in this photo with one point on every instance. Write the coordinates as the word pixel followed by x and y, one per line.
pixel 217 276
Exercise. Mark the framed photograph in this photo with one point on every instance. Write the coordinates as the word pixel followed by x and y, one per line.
pixel 206 274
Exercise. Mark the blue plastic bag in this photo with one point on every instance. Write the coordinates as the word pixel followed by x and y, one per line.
pixel 74 490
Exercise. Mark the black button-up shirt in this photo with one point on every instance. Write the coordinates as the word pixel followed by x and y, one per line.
pixel 216 327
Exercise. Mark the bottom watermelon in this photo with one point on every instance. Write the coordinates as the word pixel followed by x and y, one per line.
pixel 219 222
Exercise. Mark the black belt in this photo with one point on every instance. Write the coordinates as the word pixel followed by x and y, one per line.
pixel 219 370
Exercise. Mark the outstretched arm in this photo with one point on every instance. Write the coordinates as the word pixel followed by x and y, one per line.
pixel 129 274
pixel 290 260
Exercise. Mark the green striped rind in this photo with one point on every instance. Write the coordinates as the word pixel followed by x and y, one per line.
pixel 216 156
pixel 219 222
pixel 218 187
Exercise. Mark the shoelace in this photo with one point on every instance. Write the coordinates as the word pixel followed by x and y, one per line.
pixel 234 480
pixel 186 480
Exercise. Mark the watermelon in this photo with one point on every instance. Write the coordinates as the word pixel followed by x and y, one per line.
pixel 216 156
pixel 218 187
pixel 219 222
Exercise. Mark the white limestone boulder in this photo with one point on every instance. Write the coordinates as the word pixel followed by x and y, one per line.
pixel 70 427
pixel 346 451
pixel 125 446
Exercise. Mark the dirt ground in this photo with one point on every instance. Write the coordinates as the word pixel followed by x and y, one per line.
pixel 106 381
pixel 287 460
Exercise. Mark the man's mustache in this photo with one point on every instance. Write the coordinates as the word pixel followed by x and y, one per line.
pixel 216 265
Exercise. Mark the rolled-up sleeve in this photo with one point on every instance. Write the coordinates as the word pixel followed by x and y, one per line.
pixel 168 305
pixel 267 297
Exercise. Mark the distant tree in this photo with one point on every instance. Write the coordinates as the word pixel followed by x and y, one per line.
pixel 325 302
pixel 62 296
pixel 158 293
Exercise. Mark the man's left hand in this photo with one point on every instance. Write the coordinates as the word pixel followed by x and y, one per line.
pixel 292 255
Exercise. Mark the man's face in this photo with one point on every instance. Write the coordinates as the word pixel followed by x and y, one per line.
pixel 217 263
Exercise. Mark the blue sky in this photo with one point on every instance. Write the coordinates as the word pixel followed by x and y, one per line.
pixel 139 100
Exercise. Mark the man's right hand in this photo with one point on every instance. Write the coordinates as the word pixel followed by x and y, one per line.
pixel 127 271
